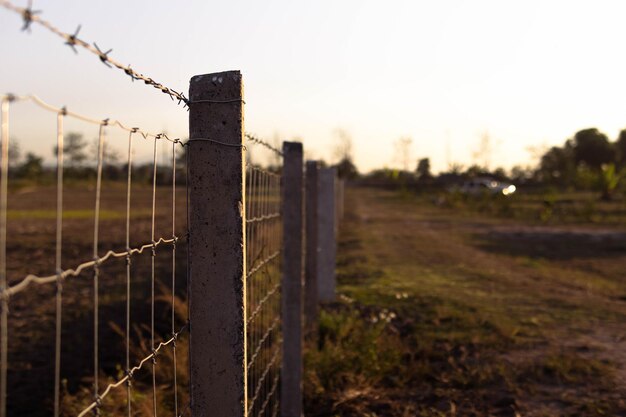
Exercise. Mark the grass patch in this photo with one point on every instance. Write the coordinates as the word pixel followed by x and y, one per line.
pixel 430 324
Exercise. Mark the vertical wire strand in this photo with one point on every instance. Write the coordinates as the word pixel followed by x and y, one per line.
pixel 265 276
pixel 249 264
pixel 154 173
pixel 128 271
pixel 276 275
pixel 174 275
pixel 96 273
pixel 254 193
pixel 59 269
pixel 273 274
pixel 279 237
pixel 4 177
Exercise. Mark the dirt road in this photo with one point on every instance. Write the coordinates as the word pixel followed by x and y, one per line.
pixel 496 317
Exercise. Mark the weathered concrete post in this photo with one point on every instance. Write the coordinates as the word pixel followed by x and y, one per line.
pixel 326 235
pixel 312 248
pixel 216 246
pixel 292 212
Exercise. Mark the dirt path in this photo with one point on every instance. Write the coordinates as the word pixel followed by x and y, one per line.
pixel 558 294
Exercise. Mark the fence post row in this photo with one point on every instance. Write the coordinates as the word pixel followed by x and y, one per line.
pixel 292 212
pixel 326 235
pixel 216 246
pixel 311 248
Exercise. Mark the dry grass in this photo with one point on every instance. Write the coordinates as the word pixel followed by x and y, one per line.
pixel 478 326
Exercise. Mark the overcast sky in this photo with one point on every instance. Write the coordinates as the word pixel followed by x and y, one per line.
pixel 530 73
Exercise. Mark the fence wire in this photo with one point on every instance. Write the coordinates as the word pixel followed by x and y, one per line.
pixel 263 287
pixel 59 277
pixel 30 16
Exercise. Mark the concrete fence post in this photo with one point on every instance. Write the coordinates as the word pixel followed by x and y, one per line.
pixel 311 247
pixel 326 235
pixel 292 212
pixel 216 246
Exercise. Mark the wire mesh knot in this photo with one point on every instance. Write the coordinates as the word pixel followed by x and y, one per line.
pixel 10 97
pixel 105 122
pixel 63 111
pixel 129 374
pixel 128 258
pixel 4 297
pixel 60 277
pixel 154 356
pixel 154 245
pixel 96 263
pixel 98 403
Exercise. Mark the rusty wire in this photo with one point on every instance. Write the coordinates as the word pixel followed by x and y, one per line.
pixel 31 16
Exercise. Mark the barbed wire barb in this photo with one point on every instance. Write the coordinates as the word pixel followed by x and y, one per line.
pixel 30 16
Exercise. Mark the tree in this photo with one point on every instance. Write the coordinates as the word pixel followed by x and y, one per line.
pixel 403 152
pixel 423 168
pixel 482 154
pixel 557 165
pixel 32 168
pixel 342 152
pixel 342 149
pixel 593 148
pixel 620 148
pixel 73 150
pixel 346 169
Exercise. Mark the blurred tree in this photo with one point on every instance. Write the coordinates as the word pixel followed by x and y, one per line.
pixel 403 152
pixel 73 150
pixel 620 149
pixel 32 168
pixel 593 148
pixel 558 166
pixel 342 152
pixel 423 168
pixel 520 174
pixel 343 145
pixel 482 154
pixel 610 178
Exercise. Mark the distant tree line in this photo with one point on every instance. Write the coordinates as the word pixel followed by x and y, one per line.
pixel 587 161
pixel 80 163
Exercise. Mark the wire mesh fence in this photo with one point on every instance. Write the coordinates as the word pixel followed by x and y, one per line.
pixel 123 274
pixel 263 287
pixel 94 271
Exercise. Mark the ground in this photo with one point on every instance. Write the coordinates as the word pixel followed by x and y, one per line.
pixel 481 315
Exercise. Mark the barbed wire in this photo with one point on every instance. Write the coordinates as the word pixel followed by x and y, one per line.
pixel 72 40
pixel 255 139
pixel 65 112
pixel 113 122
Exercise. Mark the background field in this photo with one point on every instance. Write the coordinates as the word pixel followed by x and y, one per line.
pixel 454 309
pixel 31 249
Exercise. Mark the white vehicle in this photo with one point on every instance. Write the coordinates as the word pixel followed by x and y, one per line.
pixel 486 186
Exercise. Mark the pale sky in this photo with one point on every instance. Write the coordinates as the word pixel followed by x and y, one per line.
pixel 530 73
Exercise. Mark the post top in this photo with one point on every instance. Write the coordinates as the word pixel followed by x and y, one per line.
pixel 292 147
pixel 312 163
pixel 226 85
